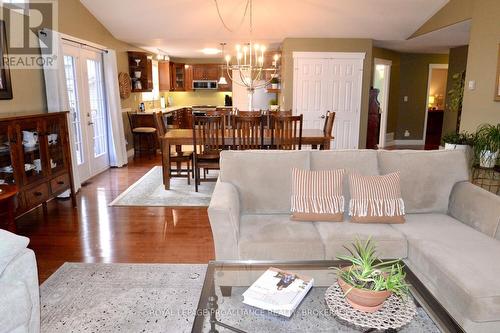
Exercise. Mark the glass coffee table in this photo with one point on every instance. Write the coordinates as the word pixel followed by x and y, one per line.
pixel 221 308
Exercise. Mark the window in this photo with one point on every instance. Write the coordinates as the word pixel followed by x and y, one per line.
pixel 155 94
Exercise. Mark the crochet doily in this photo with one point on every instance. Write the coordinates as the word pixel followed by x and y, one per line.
pixel 395 313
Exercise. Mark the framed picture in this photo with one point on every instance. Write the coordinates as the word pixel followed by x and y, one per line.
pixel 497 78
pixel 5 84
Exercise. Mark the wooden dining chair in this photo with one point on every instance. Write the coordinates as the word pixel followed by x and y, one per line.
pixel 327 126
pixel 208 141
pixel 249 113
pixel 145 137
pixel 287 132
pixel 179 157
pixel 248 133
pixel 224 112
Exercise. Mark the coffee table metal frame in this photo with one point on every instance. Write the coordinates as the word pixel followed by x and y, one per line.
pixel 207 304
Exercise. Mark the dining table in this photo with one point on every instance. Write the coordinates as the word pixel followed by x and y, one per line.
pixel 184 137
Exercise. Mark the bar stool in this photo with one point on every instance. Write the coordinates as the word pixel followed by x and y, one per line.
pixel 145 138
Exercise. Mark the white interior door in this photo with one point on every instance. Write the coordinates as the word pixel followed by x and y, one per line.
pixel 85 86
pixel 330 81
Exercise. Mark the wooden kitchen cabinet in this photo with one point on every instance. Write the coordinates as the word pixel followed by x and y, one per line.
pixel 145 67
pixel 183 118
pixel 188 77
pixel 177 77
pixel 164 75
pixel 206 72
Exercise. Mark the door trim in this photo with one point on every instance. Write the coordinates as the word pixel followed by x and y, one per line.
pixel 330 55
pixel 385 107
pixel 429 78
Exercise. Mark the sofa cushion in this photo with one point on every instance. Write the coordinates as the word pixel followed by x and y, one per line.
pixel 362 161
pixel 391 244
pixel 458 264
pixel 427 177
pixel 268 237
pixel 10 246
pixel 15 306
pixel 263 178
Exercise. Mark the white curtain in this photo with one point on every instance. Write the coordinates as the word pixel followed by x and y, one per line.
pixel 56 91
pixel 116 134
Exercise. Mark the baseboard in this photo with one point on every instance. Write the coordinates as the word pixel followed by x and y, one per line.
pixel 408 142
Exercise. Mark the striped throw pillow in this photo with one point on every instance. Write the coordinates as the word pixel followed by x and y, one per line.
pixel 376 199
pixel 317 195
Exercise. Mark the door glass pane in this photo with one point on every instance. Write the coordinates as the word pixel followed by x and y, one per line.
pixel 69 67
pixel 33 161
pixel 6 167
pixel 97 106
pixel 56 151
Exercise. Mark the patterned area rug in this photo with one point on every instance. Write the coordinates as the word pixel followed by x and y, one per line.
pixel 121 298
pixel 149 191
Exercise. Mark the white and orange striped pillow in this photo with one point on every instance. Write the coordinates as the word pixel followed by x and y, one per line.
pixel 376 199
pixel 317 195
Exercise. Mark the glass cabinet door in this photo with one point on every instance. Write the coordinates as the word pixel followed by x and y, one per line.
pixel 33 161
pixel 55 147
pixel 6 167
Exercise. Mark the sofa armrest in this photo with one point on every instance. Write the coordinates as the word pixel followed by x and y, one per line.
pixel 224 215
pixel 476 207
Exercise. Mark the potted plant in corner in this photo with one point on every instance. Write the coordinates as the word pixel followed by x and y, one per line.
pixel 275 83
pixel 273 105
pixel 369 281
pixel 487 145
pixel 458 141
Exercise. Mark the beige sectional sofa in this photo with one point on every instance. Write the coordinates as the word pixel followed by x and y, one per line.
pixel 451 238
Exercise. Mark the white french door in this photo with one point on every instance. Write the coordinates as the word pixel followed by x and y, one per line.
pixel 85 86
pixel 329 81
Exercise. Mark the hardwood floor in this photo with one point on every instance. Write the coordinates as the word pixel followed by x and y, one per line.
pixel 94 232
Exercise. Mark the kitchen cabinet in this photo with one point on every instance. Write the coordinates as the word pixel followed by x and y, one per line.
pixel 177 77
pixel 164 75
pixel 206 72
pixel 183 118
pixel 188 74
pixel 35 156
pixel 140 70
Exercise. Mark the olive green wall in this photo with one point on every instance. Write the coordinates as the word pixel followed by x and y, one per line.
pixel 414 76
pixel 393 103
pixel 291 45
pixel 479 106
pixel 457 64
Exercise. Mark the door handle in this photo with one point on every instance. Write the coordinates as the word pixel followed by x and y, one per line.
pixel 91 123
pixel 323 117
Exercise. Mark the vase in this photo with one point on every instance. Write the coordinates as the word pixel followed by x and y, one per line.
pixel 488 159
pixel 363 299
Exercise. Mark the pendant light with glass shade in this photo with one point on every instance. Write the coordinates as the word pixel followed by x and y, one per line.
pixel 222 79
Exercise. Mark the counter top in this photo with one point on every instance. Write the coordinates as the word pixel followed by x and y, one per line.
pixel 174 108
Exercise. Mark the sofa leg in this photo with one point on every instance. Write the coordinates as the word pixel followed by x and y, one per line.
pixel 226 291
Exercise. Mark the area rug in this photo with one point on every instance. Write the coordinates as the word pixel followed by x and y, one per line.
pixel 149 191
pixel 121 298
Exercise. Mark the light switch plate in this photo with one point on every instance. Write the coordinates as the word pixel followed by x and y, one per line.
pixel 472 85
pixel 405 99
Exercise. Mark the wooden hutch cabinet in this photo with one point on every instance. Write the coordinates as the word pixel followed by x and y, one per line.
pixel 35 156
pixel 140 69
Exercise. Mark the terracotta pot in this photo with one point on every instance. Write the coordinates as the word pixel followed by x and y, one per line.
pixel 363 299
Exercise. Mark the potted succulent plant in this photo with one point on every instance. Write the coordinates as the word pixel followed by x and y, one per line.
pixel 369 281
pixel 458 141
pixel 487 145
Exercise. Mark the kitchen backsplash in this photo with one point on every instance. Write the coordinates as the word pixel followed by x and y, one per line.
pixel 188 98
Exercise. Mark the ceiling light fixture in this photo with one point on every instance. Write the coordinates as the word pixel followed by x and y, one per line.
pixel 250 64
pixel 210 51
pixel 222 78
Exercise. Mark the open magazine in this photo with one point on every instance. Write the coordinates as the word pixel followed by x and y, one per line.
pixel 278 291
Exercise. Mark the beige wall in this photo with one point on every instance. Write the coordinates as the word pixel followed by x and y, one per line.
pixel 393 103
pixel 453 12
pixel 415 71
pixel 479 106
pixel 291 45
pixel 457 64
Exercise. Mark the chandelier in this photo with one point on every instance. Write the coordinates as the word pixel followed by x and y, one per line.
pixel 249 67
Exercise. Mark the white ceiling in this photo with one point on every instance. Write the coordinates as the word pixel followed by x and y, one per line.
pixel 439 41
pixel 183 27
